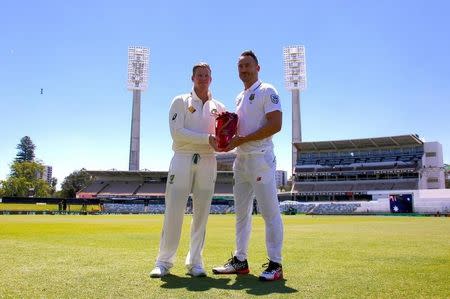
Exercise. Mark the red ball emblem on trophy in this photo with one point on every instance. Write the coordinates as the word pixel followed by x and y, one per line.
pixel 226 127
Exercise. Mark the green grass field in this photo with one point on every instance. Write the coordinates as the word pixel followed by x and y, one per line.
pixel 46 207
pixel 62 256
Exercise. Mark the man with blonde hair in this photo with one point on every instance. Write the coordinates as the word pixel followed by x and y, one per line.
pixel 193 169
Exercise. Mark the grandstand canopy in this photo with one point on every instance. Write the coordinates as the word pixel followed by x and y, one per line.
pixel 144 175
pixel 127 174
pixel 365 143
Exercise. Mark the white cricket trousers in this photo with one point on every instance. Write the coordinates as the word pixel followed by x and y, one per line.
pixel 254 176
pixel 188 173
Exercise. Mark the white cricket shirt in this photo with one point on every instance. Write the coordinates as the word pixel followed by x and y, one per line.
pixel 252 106
pixel 191 122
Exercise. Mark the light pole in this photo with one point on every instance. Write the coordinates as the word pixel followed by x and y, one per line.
pixel 295 79
pixel 137 82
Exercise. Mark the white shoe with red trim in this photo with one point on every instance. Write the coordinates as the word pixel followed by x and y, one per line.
pixel 274 271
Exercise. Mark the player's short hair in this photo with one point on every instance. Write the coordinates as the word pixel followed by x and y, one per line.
pixel 251 54
pixel 200 64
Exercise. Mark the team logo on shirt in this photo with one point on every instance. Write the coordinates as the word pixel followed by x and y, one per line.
pixel 172 176
pixel 174 116
pixel 191 109
pixel 274 98
pixel 251 98
pixel 214 111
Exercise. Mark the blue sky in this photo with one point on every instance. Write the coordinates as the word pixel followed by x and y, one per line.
pixel 374 68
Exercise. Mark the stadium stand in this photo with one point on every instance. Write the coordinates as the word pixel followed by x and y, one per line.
pixel 92 190
pixel 133 208
pixel 219 209
pixel 120 208
pixel 285 207
pixel 431 202
pixel 334 209
pixel 356 176
pixel 150 189
pixel 118 188
pixel 348 169
pixel 96 187
pixel 141 184
pixel 144 191
pixel 223 188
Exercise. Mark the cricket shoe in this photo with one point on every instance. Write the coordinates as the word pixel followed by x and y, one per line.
pixel 159 271
pixel 274 271
pixel 233 266
pixel 196 271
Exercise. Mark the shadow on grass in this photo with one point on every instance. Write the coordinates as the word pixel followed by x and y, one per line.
pixel 248 283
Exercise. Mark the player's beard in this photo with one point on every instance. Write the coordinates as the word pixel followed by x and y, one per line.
pixel 247 78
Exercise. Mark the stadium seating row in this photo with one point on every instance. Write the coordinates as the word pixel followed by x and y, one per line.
pixel 132 208
pixel 351 186
pixel 355 166
pixel 309 208
pixel 108 189
pixel 338 159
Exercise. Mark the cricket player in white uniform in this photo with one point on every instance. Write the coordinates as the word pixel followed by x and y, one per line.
pixel 192 169
pixel 260 117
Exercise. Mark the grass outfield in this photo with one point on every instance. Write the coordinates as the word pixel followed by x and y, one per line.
pixel 62 256
pixel 44 207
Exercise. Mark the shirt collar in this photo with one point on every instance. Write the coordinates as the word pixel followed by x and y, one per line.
pixel 195 96
pixel 254 86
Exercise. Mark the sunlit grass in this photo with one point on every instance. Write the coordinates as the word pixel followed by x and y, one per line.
pixel 46 207
pixel 62 256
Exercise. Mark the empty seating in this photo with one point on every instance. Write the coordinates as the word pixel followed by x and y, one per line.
pixel 221 188
pixel 380 164
pixel 354 186
pixel 301 187
pixel 123 208
pixel 299 207
pixel 405 185
pixel 335 208
pixel 151 189
pixel 120 188
pixel 219 209
pixel 95 187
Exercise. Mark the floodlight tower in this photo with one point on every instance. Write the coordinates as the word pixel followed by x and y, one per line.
pixel 295 79
pixel 137 82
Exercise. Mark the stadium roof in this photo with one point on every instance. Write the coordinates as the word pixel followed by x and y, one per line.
pixel 354 144
pixel 139 174
pixel 123 173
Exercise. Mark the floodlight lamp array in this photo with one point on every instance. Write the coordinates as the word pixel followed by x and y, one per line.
pixel 138 62
pixel 295 67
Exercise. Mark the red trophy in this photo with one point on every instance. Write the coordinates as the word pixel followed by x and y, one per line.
pixel 226 127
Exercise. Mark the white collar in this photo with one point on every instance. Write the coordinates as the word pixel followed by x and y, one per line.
pixel 254 86
pixel 195 96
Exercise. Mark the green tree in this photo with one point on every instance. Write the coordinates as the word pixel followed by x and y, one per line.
pixel 74 182
pixel 53 183
pixel 1 189
pixel 23 181
pixel 58 194
pixel 26 150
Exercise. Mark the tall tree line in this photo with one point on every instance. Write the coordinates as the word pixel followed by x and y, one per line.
pixel 24 179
